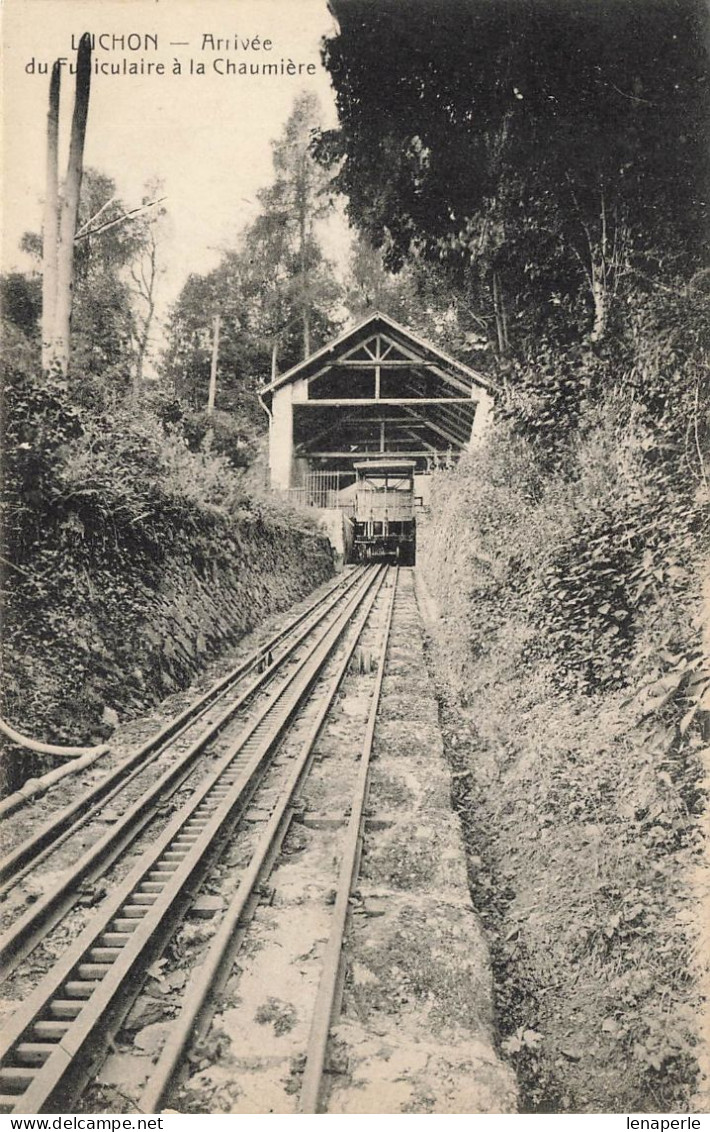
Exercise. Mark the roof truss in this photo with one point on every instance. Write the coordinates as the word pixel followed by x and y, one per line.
pixel 381 354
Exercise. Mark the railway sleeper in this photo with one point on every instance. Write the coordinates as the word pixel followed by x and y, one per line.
pixel 7 1102
pixel 50 1030
pixel 111 941
pixel 124 926
pixel 92 972
pixel 33 1053
pixel 15 1081
pixel 103 954
pixel 80 988
pixel 62 1008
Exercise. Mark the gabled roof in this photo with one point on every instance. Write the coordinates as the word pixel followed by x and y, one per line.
pixel 372 324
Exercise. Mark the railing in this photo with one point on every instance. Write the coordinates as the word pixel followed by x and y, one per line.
pixel 304 497
pixel 322 490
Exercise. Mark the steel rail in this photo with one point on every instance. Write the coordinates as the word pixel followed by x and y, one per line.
pixel 215 968
pixel 30 850
pixel 331 980
pixel 72 1012
pixel 30 928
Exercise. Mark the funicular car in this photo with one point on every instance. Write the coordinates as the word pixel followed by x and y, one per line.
pixel 384 523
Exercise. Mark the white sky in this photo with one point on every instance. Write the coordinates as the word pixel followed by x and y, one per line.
pixel 207 136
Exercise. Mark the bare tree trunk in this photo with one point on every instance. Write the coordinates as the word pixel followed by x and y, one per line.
pixel 144 279
pixel 306 333
pixel 274 359
pixel 213 367
pixel 599 301
pixel 603 259
pixel 50 233
pixel 70 204
pixel 499 310
pixel 302 203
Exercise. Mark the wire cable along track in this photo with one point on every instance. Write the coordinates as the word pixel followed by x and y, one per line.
pixel 57 1039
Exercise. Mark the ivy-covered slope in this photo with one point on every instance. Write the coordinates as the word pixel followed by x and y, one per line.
pixel 128 561
pixel 569 659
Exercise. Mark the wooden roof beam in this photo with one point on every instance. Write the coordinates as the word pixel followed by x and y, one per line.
pixel 458 424
pixel 435 366
pixel 440 429
pixel 363 454
pixel 336 402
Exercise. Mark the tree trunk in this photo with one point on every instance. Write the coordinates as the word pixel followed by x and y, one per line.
pixel 213 367
pixel 145 289
pixel 50 234
pixel 501 321
pixel 599 299
pixel 70 205
pixel 306 333
pixel 302 232
pixel 274 359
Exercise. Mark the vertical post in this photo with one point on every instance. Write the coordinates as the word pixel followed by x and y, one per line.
pixel 50 232
pixel 70 204
pixel 306 333
pixel 496 310
pixel 302 202
pixel 213 367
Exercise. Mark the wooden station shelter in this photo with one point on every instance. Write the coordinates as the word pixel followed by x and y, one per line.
pixel 375 391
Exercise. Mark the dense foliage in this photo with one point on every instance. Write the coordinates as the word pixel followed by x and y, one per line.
pixel 573 688
pixel 545 153
pixel 120 527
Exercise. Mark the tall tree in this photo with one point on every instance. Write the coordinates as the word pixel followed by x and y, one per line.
pixel 69 209
pixel 275 293
pixel 144 271
pixel 296 200
pixel 50 237
pixel 109 248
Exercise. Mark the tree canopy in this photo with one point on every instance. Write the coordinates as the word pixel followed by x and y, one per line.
pixel 551 145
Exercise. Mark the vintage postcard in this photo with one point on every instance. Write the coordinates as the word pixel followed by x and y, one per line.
pixel 354 732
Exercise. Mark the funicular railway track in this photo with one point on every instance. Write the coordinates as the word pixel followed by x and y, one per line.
pixel 184 740
pixel 34 847
pixel 57 1039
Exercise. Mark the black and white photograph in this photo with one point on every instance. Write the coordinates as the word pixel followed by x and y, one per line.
pixel 355 562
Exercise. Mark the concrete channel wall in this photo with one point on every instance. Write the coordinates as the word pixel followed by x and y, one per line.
pixel 417 1031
